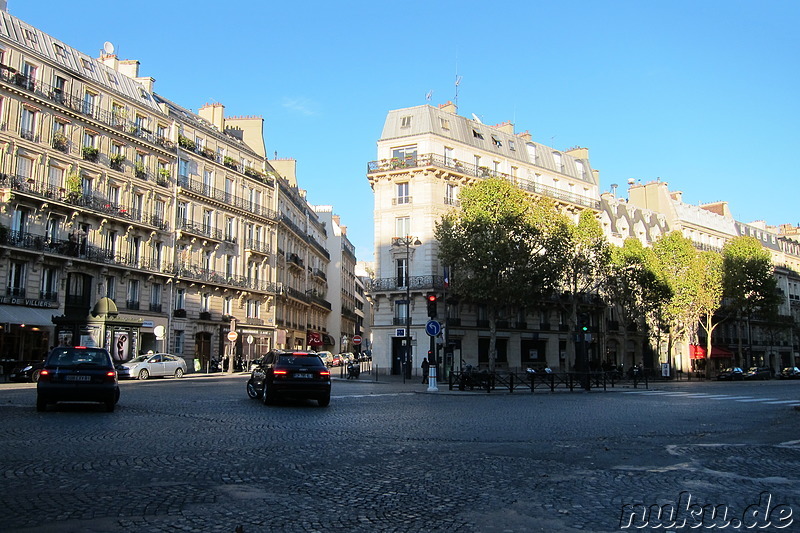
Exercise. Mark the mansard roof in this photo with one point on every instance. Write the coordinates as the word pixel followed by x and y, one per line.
pixel 44 47
pixel 427 119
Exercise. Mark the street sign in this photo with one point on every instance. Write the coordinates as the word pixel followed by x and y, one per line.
pixel 249 339
pixel 433 328
pixel 356 339
pixel 232 336
pixel 159 332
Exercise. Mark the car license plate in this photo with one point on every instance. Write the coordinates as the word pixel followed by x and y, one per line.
pixel 304 376
pixel 78 378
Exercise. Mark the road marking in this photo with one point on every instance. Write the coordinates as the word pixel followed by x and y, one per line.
pixel 783 401
pixel 732 398
pixel 373 395
pixel 757 400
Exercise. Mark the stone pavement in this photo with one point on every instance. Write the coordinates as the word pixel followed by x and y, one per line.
pixel 197 455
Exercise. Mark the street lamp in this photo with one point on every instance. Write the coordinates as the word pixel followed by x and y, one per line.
pixel 408 242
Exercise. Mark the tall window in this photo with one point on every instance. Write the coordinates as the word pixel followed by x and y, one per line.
pixel 402 272
pixel 52 228
pixel 24 167
pixel 401 311
pixel 182 214
pixel 208 218
pixel 156 290
pixel 180 299
pixel 402 193
pixel 229 265
pixel 48 289
pixel 450 194
pixel 205 302
pixel 180 341
pixel 133 294
pixel 27 125
pixel 118 114
pixel 208 262
pixel 557 160
pixel 111 287
pixel 89 140
pixel 402 226
pixel 160 208
pixel 227 306
pixel 89 99
pixel 531 152
pixel 20 220
pixel 134 250
pixel 208 181
pixel 110 244
pixel 448 156
pixel 183 168
pixel 229 229
pixel 16 279
pixel 253 309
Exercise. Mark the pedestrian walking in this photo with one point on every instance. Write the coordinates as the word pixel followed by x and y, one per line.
pixel 425 367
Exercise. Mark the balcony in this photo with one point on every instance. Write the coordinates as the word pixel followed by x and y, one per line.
pixel 205 315
pixel 399 284
pixel 199 230
pixel 254 246
pixel 15 292
pixel 132 305
pixel 448 163
pixel 156 308
pixel 179 313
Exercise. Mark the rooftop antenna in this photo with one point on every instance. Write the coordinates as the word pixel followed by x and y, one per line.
pixel 458 82
pixel 428 95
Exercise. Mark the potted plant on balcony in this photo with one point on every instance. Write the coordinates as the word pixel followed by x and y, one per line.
pixel 229 162
pixel 208 153
pixel 187 143
pixel 74 182
pixel 60 141
pixel 117 160
pixel 90 153
pixel 164 174
pixel 139 170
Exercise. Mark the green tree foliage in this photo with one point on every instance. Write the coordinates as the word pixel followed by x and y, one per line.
pixel 749 283
pixel 634 287
pixel 503 248
pixel 587 259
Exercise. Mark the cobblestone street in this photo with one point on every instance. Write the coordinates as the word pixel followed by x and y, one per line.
pixel 197 455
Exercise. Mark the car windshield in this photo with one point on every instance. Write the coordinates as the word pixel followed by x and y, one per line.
pixel 140 359
pixel 299 360
pixel 78 356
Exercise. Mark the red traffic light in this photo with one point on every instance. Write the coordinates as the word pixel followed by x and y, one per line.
pixel 431 297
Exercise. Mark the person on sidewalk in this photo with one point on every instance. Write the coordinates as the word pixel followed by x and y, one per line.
pixel 425 367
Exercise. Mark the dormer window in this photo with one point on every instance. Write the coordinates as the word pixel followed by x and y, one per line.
pixel 59 50
pixel 405 122
pixel 497 142
pixel 477 134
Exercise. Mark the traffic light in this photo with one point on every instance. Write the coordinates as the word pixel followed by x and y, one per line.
pixel 432 305
pixel 583 322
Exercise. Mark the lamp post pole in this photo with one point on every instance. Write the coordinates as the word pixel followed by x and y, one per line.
pixel 405 367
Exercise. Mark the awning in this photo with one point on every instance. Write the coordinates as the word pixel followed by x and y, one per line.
pixel 313 338
pixel 30 316
pixel 717 352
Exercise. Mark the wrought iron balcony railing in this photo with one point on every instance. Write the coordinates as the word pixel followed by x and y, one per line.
pixel 400 284
pixel 468 169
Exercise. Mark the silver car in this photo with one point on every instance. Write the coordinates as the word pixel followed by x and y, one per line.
pixel 152 365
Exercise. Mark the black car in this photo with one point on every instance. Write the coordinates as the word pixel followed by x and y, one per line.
pixel 78 374
pixel 758 372
pixel 26 371
pixel 731 374
pixel 293 374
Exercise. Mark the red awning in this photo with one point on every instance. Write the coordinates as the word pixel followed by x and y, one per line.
pixel 314 339
pixel 717 352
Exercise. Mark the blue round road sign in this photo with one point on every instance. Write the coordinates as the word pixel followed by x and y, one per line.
pixel 433 328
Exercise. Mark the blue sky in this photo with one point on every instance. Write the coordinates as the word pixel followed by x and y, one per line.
pixel 702 94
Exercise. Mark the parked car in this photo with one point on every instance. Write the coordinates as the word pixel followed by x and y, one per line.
pixel 327 358
pixel 77 374
pixel 337 360
pixel 291 373
pixel 152 365
pixel 26 371
pixel 347 357
pixel 791 372
pixel 731 374
pixel 758 372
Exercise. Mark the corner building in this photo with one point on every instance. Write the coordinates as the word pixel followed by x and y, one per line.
pixel 425 155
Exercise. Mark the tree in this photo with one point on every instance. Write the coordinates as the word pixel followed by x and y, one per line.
pixel 633 286
pixel 749 284
pixel 709 297
pixel 587 259
pixel 503 249
pixel 677 264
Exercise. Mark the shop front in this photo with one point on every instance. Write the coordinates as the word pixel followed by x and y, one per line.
pixel 720 357
pixel 26 331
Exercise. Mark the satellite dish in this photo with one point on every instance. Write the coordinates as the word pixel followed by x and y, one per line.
pixel 476 119
pixel 108 48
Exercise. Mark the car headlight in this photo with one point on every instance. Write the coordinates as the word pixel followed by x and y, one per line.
pixel 27 368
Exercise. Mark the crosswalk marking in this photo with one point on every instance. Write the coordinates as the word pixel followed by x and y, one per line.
pixel 719 397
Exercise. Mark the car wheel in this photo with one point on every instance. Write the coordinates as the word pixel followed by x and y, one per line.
pixel 35 375
pixel 144 374
pixel 110 405
pixel 178 373
pixel 324 402
pixel 41 404
pixel 252 393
